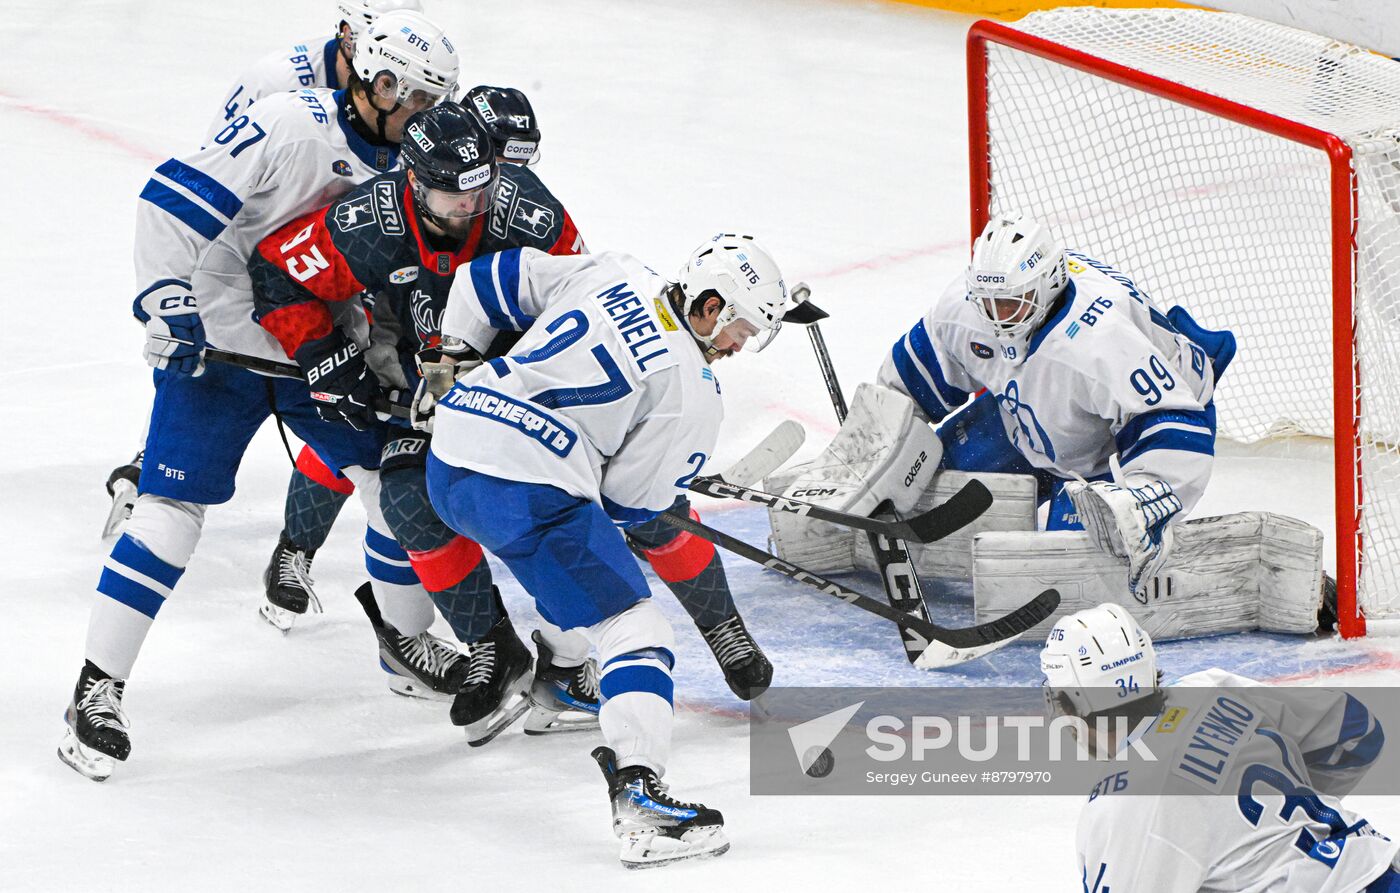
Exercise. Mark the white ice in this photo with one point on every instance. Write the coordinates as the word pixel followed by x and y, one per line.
pixel 835 131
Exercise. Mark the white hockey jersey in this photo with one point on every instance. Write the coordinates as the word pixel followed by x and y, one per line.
pixel 1105 374
pixel 607 396
pixel 201 216
pixel 305 65
pixel 1244 796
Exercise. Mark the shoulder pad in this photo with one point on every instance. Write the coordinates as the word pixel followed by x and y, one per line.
pixel 525 212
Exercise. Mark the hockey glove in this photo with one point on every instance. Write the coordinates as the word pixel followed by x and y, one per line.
pixel 440 367
pixel 342 386
pixel 174 332
pixel 1133 523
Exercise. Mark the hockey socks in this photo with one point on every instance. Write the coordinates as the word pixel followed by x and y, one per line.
pixel 133 587
pixel 311 510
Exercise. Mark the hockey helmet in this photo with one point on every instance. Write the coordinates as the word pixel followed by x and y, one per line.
pixel 360 14
pixel 1017 272
pixel 1099 661
pixel 452 160
pixel 742 274
pixel 407 46
pixel 507 115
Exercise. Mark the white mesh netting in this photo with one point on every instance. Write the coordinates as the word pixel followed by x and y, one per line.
pixel 1228 220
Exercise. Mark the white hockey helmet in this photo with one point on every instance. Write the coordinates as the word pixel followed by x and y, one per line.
pixel 746 278
pixel 1017 272
pixel 408 46
pixel 1098 660
pixel 360 14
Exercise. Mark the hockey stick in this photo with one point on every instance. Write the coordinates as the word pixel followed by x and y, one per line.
pixel 897 572
pixel 943 646
pixel 961 509
pixel 385 405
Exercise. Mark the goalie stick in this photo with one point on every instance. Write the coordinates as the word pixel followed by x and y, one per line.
pixel 945 647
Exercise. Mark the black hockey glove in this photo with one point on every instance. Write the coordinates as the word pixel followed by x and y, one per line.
pixel 342 386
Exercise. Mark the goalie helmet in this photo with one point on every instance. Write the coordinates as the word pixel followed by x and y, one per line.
pixel 1017 272
pixel 1099 661
pixel 453 163
pixel 360 14
pixel 411 49
pixel 743 275
pixel 507 115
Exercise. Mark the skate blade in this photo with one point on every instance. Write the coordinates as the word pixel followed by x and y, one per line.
pixel 516 702
pixel 649 849
pixel 280 618
pixel 409 687
pixel 123 499
pixel 547 721
pixel 85 761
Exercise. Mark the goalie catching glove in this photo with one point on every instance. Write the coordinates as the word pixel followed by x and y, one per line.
pixel 440 368
pixel 342 385
pixel 1133 523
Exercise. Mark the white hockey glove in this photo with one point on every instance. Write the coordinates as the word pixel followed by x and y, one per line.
pixel 174 332
pixel 1133 523
pixel 440 368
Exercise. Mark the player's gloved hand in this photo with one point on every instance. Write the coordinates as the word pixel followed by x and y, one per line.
pixel 342 385
pixel 440 368
pixel 1131 522
pixel 174 332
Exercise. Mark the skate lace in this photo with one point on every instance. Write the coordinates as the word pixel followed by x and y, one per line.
pixel 429 653
pixel 294 569
pixel 483 663
pixel 730 642
pixel 102 704
pixel 587 680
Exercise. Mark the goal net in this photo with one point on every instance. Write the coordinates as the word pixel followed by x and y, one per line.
pixel 1250 172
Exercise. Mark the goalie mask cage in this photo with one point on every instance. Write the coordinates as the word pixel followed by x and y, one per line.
pixel 1250 172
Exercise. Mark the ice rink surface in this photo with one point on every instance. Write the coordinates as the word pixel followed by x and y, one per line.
pixel 833 131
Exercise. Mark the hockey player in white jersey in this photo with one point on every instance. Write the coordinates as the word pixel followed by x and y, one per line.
pixel 198 220
pixel 1080 371
pixel 607 409
pixel 321 62
pixel 1245 791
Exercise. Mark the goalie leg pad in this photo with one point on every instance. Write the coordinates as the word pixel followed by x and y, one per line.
pixel 1013 508
pixel 1233 573
pixel 883 451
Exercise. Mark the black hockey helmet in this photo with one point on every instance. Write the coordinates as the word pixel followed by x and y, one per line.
pixel 452 160
pixel 507 115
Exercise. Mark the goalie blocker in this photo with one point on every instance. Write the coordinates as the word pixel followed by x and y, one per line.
pixel 1232 573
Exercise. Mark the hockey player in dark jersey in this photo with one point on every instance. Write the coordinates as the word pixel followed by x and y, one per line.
pixel 316 492
pixel 403 236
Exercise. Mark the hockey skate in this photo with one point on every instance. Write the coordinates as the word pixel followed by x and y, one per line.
pixel 121 486
pixel 562 699
pixel 497 689
pixel 288 583
pixel 97 735
pixel 745 666
pixel 421 666
pixel 654 827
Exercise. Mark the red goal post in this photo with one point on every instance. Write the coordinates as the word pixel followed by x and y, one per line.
pixel 1250 172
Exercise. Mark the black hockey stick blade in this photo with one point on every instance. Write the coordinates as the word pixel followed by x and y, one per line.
pixel 961 509
pixel 946 646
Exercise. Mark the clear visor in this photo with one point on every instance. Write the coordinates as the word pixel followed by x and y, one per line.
pixel 457 205
pixel 737 332
pixel 411 95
